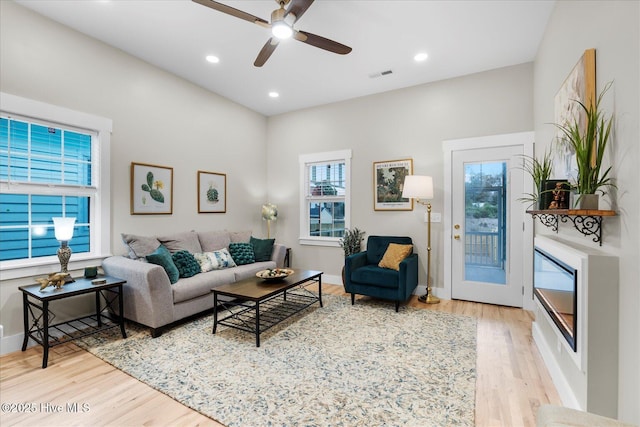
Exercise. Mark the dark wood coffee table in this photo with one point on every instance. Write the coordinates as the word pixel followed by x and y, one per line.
pixel 256 305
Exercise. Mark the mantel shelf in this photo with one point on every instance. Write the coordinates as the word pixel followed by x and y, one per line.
pixel 586 221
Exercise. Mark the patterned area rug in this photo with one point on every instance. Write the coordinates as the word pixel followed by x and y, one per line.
pixel 341 365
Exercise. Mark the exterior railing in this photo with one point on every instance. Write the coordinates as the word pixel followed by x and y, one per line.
pixel 483 248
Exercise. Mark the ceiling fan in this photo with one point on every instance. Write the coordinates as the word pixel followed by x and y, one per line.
pixel 281 26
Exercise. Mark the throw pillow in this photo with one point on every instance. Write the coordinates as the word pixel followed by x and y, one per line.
pixel 242 253
pixel 220 259
pixel 204 261
pixel 185 241
pixel 162 257
pixel 262 248
pixel 214 240
pixel 186 264
pixel 139 246
pixel 240 236
pixel 394 255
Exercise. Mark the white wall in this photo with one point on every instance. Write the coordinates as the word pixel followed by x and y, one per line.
pixel 406 123
pixel 158 118
pixel 612 28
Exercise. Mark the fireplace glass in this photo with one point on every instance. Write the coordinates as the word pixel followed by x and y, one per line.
pixel 554 284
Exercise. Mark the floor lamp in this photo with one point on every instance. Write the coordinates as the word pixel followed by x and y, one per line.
pixel 421 187
pixel 269 213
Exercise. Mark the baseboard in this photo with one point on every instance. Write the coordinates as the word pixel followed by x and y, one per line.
pixel 562 385
pixel 13 343
pixel 331 279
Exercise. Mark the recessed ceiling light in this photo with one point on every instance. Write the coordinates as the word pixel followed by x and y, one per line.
pixel 421 57
pixel 213 59
pixel 274 94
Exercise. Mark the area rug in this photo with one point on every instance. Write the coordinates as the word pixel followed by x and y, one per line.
pixel 340 365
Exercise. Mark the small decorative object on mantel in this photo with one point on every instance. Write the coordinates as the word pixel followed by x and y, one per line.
pixel 555 194
pixel 56 280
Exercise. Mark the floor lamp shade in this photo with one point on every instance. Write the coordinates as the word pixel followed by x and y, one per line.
pixel 417 187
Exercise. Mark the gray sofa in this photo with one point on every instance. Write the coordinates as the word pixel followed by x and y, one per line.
pixel 149 296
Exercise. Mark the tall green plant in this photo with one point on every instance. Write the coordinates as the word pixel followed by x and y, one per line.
pixel 585 140
pixel 540 170
pixel 351 242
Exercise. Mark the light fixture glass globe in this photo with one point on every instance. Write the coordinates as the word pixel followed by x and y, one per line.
pixel 281 30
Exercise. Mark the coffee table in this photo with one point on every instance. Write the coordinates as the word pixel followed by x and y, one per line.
pixel 257 305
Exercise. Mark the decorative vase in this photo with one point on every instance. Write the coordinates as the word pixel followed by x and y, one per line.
pixel 585 201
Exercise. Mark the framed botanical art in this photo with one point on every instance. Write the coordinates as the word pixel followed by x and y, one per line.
pixel 151 189
pixel 580 85
pixel 212 192
pixel 388 179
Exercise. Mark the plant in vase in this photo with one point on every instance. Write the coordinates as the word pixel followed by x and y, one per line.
pixel 351 243
pixel 588 141
pixel 540 171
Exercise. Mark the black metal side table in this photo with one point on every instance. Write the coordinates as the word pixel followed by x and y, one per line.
pixel 38 318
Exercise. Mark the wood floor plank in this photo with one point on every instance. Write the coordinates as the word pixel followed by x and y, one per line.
pixel 512 381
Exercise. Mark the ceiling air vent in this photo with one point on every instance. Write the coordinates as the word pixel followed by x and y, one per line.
pixel 381 73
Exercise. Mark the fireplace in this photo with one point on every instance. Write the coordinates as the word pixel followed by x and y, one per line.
pixel 576 322
pixel 555 284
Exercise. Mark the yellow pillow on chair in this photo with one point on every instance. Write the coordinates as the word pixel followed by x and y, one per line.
pixel 394 255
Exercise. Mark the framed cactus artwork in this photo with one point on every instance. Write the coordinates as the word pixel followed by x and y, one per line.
pixel 151 189
pixel 212 192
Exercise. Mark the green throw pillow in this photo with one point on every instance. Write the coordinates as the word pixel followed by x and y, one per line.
pixel 262 248
pixel 186 263
pixel 162 257
pixel 242 253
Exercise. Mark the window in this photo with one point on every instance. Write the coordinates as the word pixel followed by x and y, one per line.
pixel 325 197
pixel 50 169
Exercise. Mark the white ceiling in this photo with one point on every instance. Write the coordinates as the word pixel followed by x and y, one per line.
pixel 460 37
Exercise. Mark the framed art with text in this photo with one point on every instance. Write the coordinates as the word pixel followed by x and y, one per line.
pixel 212 192
pixel 388 179
pixel 151 189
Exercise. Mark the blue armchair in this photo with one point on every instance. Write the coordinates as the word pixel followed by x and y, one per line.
pixel 363 276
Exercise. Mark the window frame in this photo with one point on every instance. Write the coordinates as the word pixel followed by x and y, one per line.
pixel 19 108
pixel 306 160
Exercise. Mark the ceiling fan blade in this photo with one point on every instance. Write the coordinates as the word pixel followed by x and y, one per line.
pixel 233 12
pixel 298 7
pixel 321 42
pixel 266 51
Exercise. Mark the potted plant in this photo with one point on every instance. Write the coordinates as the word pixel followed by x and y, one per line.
pixel 351 243
pixel 540 171
pixel 588 141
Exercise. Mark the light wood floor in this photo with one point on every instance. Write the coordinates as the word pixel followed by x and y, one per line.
pixel 512 381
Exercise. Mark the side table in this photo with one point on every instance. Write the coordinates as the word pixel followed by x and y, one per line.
pixel 38 317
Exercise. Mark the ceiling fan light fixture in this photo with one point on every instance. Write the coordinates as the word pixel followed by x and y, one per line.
pixel 281 30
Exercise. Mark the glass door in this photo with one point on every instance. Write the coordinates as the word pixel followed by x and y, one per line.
pixel 487 226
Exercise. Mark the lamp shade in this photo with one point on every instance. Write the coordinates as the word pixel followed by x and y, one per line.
pixel 269 212
pixel 63 228
pixel 417 187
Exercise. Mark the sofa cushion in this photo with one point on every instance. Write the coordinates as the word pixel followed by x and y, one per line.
pixel 221 259
pixel 162 257
pixel 246 271
pixel 262 248
pixel 377 246
pixel 376 276
pixel 186 264
pixel 394 255
pixel 139 246
pixel 242 253
pixel 200 284
pixel 214 240
pixel 240 236
pixel 185 241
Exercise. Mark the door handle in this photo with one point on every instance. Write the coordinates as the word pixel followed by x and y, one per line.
pixel 456 236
